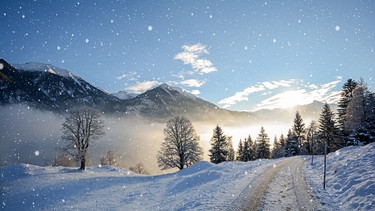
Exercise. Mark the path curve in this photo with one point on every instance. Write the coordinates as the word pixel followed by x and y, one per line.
pixel 281 187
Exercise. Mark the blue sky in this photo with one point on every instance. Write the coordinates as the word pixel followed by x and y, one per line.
pixel 240 55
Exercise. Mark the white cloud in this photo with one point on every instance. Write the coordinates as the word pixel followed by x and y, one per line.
pixel 195 92
pixel 270 85
pixel 322 93
pixel 240 96
pixel 243 96
pixel 140 87
pixel 191 55
pixel 296 95
pixel 192 83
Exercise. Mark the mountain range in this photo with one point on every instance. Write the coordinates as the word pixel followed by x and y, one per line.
pixel 46 87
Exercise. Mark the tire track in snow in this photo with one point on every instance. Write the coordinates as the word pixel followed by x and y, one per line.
pixel 282 187
pixel 251 197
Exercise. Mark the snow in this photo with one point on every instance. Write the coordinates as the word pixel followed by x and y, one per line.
pixel 350 183
pixel 203 186
pixel 36 66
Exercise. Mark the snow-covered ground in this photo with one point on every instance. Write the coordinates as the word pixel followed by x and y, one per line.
pixel 350 183
pixel 203 186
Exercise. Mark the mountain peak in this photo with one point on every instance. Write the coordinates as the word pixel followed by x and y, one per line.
pixel 42 67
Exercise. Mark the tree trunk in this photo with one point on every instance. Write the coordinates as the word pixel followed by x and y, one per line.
pixel 83 164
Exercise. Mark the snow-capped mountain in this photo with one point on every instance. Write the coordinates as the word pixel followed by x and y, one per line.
pixel 47 87
pixel 165 100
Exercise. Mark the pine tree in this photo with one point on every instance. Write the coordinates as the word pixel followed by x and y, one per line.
pixel 246 151
pixel 240 151
pixel 327 128
pixel 263 145
pixel 219 146
pixel 369 120
pixel 231 153
pixel 346 96
pixel 252 153
pixel 276 151
pixel 299 131
pixel 291 144
pixel 360 115
pixel 311 137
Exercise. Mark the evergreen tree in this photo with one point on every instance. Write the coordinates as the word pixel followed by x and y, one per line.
pixel 263 145
pixel 231 153
pixel 282 141
pixel 291 144
pixel 277 148
pixel 246 151
pixel 360 115
pixel 252 149
pixel 346 96
pixel 299 131
pixel 219 146
pixel 240 151
pixel 369 120
pixel 311 137
pixel 355 115
pixel 327 129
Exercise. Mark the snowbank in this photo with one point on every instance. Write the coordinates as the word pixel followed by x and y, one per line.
pixel 201 186
pixel 350 182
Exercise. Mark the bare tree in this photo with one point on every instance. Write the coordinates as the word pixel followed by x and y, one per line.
pixel 80 128
pixel 180 147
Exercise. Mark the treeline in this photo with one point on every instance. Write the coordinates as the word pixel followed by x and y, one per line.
pixel 353 124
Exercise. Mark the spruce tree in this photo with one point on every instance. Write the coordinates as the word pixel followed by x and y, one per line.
pixel 346 96
pixel 291 144
pixel 219 146
pixel 240 151
pixel 276 149
pixel 263 145
pixel 252 154
pixel 327 129
pixel 369 120
pixel 231 154
pixel 299 131
pixel 246 150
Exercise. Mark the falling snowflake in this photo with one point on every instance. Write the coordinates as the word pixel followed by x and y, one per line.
pixel 149 28
pixel 87 40
pixel 274 40
pixel 337 28
pixel 36 153
pixel 1 66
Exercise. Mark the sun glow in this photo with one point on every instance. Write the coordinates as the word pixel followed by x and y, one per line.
pixel 286 99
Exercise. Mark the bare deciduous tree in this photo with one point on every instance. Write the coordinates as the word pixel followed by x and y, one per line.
pixel 80 128
pixel 180 147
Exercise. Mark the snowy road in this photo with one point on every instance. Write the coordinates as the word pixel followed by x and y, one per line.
pixel 282 187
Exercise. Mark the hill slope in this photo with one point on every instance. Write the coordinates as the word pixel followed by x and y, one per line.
pixel 201 186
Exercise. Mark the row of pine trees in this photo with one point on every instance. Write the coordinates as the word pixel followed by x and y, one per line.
pixel 353 124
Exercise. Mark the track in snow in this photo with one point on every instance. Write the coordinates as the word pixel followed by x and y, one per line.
pixel 281 187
